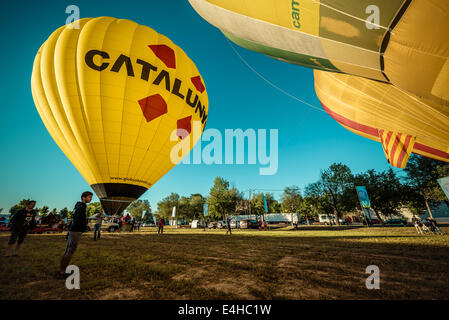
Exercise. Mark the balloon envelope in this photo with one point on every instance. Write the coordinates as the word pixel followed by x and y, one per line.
pixel 117 97
pixel 378 111
pixel 401 42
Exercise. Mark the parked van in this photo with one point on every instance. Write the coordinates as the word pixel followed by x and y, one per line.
pixel 328 219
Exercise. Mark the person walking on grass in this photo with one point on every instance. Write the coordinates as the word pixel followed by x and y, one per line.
pixel 76 229
pixel 161 224
pixel 97 231
pixel 228 224
pixel 21 222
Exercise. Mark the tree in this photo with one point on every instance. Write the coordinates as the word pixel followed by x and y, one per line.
pixel 421 175
pixel 19 206
pixel 258 206
pixel 138 207
pixel 338 181
pixel 319 199
pixel 183 210
pixel 43 211
pixel 196 204
pixel 291 200
pixel 165 206
pixel 222 198
pixel 64 213
pixel 93 208
pixel 1 209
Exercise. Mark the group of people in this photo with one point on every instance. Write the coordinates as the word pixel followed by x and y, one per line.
pixel 422 228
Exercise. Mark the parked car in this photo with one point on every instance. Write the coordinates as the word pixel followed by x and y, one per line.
pixel 148 224
pixel 222 224
pixel 106 225
pixel 329 219
pixel 372 221
pixel 212 225
pixel 249 224
pixel 394 222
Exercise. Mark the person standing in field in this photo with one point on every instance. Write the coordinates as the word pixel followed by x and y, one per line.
pixel 161 225
pixel 228 222
pixel 435 228
pixel 21 222
pixel 97 231
pixel 76 229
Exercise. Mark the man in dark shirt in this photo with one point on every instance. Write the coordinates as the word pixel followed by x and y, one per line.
pixel 21 222
pixel 77 226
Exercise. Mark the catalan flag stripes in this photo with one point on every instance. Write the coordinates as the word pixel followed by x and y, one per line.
pixel 397 147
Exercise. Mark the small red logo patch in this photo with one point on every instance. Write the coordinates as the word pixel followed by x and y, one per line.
pixel 198 84
pixel 153 107
pixel 165 53
pixel 184 127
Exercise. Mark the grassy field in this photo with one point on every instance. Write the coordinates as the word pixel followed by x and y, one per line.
pixel 197 264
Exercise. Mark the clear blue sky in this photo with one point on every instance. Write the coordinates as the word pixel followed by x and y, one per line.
pixel 32 165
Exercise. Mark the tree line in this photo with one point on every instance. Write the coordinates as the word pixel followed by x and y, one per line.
pixel 333 193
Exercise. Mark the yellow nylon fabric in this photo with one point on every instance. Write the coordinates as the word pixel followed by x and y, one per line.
pixel 406 48
pixel 417 56
pixel 384 107
pixel 96 116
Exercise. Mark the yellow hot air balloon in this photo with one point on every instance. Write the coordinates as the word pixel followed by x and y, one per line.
pixel 114 95
pixel 402 42
pixel 403 123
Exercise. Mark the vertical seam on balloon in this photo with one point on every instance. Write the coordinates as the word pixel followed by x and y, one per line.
pixel 141 119
pixel 101 104
pixel 169 135
pixel 157 128
pixel 94 174
pixel 71 133
pixel 55 130
pixel 386 38
pixel 123 102
pixel 68 145
pixel 83 105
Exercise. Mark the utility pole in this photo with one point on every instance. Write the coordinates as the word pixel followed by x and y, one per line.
pixel 249 201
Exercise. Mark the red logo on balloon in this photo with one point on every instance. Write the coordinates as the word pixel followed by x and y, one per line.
pixel 198 84
pixel 153 107
pixel 184 127
pixel 165 53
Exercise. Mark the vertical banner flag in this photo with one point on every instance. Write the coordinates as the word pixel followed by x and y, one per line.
pixel 444 183
pixel 173 214
pixel 265 203
pixel 363 197
pixel 143 214
pixel 205 209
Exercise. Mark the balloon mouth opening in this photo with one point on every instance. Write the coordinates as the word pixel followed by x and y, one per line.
pixel 116 197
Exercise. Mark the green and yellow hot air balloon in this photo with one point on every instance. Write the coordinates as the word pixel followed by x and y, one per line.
pixel 382 66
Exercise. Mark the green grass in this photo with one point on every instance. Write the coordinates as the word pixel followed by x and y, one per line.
pixel 251 264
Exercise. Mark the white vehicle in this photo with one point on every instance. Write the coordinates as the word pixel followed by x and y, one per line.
pixel 328 219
